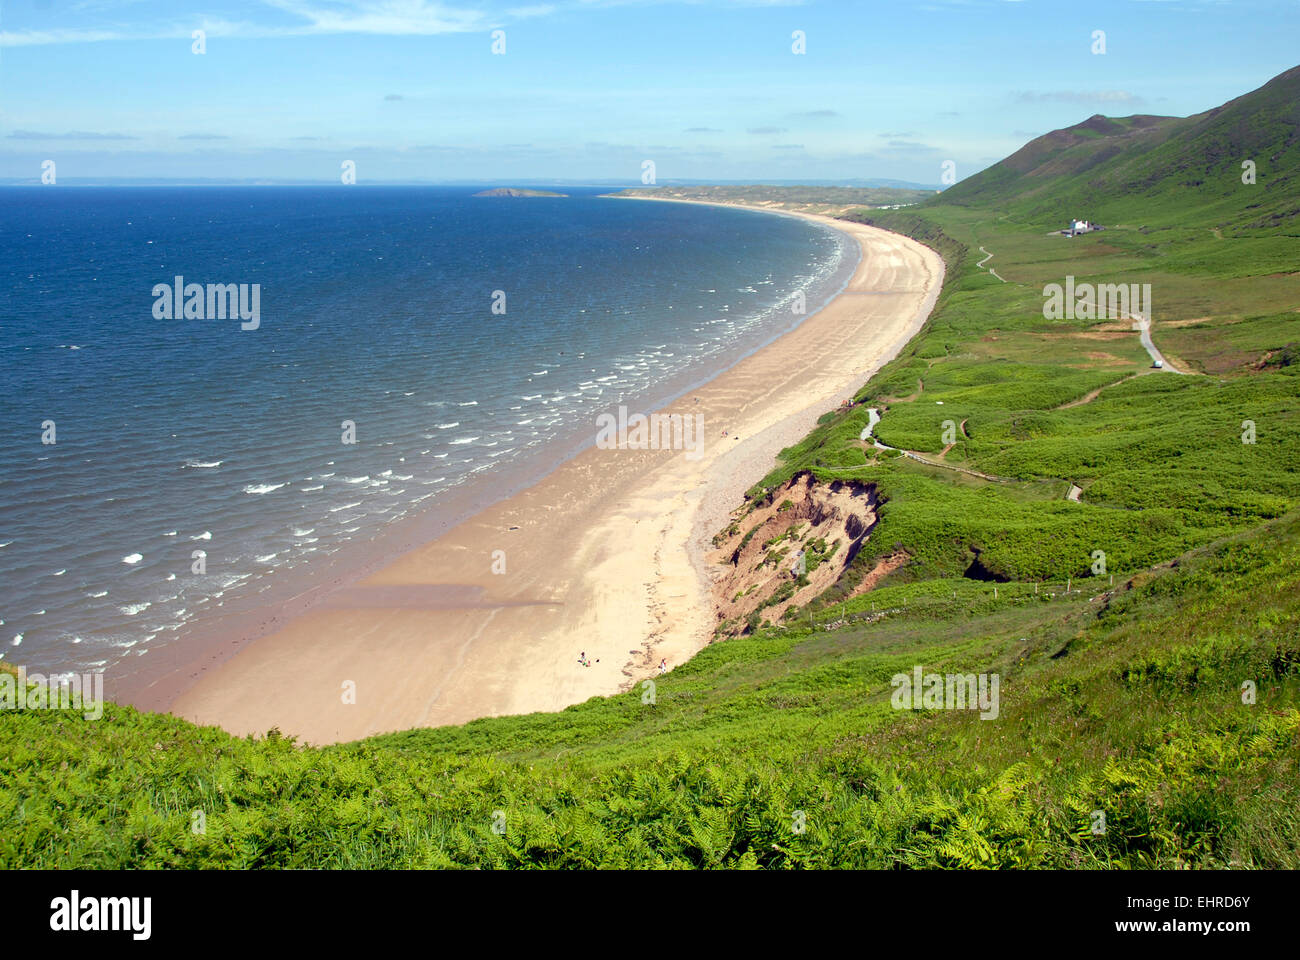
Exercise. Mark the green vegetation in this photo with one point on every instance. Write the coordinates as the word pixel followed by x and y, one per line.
pixel 1161 690
pixel 1129 704
pixel 1042 404
pixel 1164 170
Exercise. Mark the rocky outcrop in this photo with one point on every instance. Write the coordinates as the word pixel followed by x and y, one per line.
pixel 787 548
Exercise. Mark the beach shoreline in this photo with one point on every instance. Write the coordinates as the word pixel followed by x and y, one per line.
pixel 602 558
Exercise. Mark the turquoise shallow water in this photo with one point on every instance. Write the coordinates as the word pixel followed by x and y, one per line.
pixel 375 307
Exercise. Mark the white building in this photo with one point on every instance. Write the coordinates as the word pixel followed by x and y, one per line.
pixel 1080 226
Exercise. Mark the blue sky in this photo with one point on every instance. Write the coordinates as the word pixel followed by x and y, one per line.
pixel 407 89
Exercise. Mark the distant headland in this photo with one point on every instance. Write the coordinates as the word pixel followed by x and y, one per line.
pixel 516 192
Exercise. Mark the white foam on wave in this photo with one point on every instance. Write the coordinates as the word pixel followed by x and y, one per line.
pixel 131 609
pixel 102 593
pixel 59 573
pixel 356 479
pixel 346 506
pixel 448 426
pixel 303 533
pixel 310 489
pixel 259 488
pixel 201 465
pixel 464 440
pixel 133 558
pixel 205 535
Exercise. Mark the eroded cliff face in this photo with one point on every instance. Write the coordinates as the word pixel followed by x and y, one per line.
pixel 788 548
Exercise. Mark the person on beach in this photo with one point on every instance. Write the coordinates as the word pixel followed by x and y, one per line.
pixel 663 665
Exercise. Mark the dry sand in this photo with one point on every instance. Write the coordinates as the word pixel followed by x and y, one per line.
pixel 607 557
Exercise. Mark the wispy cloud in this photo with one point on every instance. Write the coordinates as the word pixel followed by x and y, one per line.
pixel 298 18
pixel 36 38
pixel 71 135
pixel 1078 96
pixel 392 17
pixel 909 146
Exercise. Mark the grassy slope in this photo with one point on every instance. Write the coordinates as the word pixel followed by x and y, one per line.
pixel 1127 704
pixel 1163 168
pixel 1123 699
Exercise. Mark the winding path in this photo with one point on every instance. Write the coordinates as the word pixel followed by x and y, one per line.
pixel 986 260
pixel 873 415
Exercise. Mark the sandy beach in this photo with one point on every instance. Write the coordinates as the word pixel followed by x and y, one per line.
pixel 603 557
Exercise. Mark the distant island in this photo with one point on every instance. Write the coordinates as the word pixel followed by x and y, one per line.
pixel 516 192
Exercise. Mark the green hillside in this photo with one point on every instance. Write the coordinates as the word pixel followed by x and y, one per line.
pixel 1128 703
pixel 1158 170
pixel 1149 708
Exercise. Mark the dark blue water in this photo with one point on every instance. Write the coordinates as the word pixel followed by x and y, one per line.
pixel 177 435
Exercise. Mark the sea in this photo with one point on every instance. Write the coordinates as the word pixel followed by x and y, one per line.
pixel 159 466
